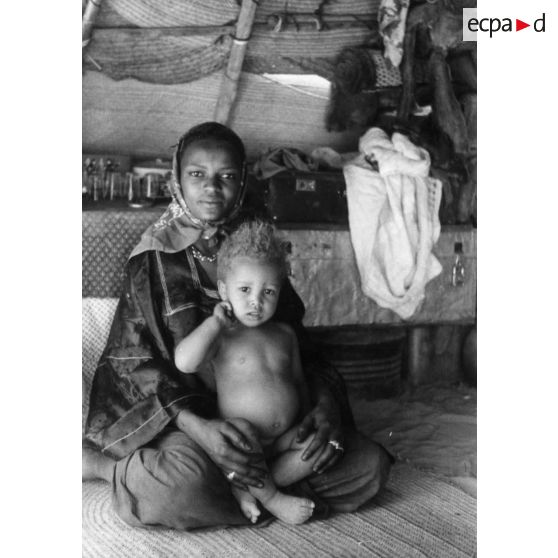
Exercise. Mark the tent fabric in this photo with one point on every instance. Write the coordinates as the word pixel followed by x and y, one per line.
pixel 291 42
pixel 175 13
pixel 266 115
pixel 358 8
pixel 386 75
pixel 170 13
pixel 165 59
pixel 139 38
pixel 417 514
pixel 155 56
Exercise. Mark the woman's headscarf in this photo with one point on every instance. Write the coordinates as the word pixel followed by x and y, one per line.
pixel 177 228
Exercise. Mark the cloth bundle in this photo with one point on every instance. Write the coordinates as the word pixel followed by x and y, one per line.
pixel 393 219
pixel 392 17
pixel 280 159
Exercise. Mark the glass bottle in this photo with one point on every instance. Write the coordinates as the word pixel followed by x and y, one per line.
pixel 458 269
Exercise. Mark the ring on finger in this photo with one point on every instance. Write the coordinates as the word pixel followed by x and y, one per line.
pixel 231 475
pixel 336 445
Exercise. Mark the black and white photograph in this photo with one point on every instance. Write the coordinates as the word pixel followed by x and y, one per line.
pixel 279 278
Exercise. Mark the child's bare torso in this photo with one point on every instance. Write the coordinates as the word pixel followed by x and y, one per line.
pixel 254 379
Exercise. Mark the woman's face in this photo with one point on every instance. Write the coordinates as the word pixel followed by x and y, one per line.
pixel 210 175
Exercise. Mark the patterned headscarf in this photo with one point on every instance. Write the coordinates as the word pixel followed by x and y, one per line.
pixel 177 228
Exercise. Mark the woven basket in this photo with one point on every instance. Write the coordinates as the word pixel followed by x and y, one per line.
pixel 370 361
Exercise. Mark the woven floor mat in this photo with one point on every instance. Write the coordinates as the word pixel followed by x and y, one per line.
pixel 416 515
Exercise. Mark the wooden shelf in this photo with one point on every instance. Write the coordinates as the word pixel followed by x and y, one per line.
pixel 324 270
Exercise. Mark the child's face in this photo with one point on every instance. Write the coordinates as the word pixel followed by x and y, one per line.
pixel 210 176
pixel 252 287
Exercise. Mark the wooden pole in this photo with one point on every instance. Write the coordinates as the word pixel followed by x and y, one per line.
pixel 88 20
pixel 229 85
pixel 419 355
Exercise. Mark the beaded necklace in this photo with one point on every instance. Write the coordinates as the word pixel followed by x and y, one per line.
pixel 202 257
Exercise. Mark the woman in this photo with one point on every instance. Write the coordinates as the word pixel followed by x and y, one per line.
pixel 151 431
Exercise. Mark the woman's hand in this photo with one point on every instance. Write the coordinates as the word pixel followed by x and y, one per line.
pixel 230 445
pixel 223 311
pixel 325 420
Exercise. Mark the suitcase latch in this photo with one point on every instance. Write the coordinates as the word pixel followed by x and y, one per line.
pixel 305 185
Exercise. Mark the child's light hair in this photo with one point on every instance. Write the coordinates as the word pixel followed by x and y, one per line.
pixel 254 239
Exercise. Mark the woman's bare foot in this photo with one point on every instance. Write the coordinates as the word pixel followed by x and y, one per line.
pixel 290 509
pixel 248 504
pixel 95 465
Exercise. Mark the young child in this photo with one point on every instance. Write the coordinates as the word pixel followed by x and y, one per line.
pixel 254 365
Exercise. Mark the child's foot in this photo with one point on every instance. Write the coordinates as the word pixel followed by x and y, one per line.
pixel 95 465
pixel 290 509
pixel 248 504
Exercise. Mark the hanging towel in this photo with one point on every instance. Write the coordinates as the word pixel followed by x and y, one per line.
pixel 393 220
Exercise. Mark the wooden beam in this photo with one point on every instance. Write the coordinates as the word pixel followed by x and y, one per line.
pixel 229 84
pixel 419 355
pixel 88 20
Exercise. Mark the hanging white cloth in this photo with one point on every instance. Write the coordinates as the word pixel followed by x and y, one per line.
pixel 393 219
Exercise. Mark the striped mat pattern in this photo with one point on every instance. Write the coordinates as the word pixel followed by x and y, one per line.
pixel 159 59
pixel 107 238
pixel 154 13
pixel 170 13
pixel 417 515
pixel 370 361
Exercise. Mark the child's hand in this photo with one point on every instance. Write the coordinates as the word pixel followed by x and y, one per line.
pixel 224 313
